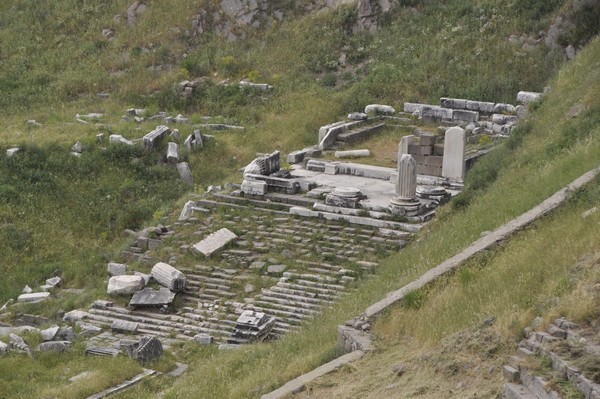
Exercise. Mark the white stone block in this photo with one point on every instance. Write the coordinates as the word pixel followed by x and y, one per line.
pixel 34 297
pixel 453 165
pixel 124 285
pixel 214 242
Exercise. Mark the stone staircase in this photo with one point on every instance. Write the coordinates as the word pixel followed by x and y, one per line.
pixel 288 267
pixel 557 345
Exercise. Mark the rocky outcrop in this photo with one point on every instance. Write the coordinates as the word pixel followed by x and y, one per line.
pixel 574 28
pixel 234 19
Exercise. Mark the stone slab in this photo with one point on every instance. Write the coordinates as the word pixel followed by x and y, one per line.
pixel 34 297
pixel 153 298
pixel 214 242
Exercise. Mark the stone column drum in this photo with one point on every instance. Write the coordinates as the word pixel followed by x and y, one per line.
pixel 406 181
pixel 406 203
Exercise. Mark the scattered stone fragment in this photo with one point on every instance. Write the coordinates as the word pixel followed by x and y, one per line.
pixel 33 297
pixel 77 148
pixel 54 281
pixel 185 173
pixel 152 298
pixel 50 333
pixel 124 285
pixel 214 242
pixel 54 346
pixel 253 326
pixel 116 269
pixel 352 154
pixel 399 369
pixel 357 116
pixel 173 152
pixel 146 350
pixel 276 269
pixel 168 276
pixel 379 109
pixel 118 139
pixel 102 351
pixel 27 290
pixel 18 343
pixel 12 151
pixel 74 316
pixel 152 138
pixel 3 348
pixel 66 334
pixel 203 339
pixel 124 326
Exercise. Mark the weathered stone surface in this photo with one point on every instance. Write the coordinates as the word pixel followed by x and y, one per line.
pixel 256 86
pixel 124 285
pixel 357 116
pixel 49 333
pixel 146 350
pixel 264 164
pixel 152 138
pixel 406 183
pixel 124 326
pixel 352 154
pixel 74 316
pixel 12 151
pixel 525 97
pixel 214 242
pixel 404 143
pixel 173 152
pixel 116 269
pixel 465 116
pixel 296 156
pixel 18 342
pixel 54 281
pixel 77 148
pixel 276 269
pixel 118 139
pixel 27 289
pixel 254 187
pixel 54 346
pixel 194 141
pixel 453 166
pixel 166 275
pixel 203 339
pixel 183 168
pixel 379 109
pixel 152 298
pixel 289 186
pixel 3 348
pixel 501 108
pixel 34 297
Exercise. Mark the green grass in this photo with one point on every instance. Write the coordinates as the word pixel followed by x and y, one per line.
pixel 60 212
pixel 533 176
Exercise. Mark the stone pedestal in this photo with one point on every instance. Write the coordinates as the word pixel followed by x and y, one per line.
pixel 345 197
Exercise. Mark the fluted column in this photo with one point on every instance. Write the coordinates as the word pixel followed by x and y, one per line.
pixel 406 182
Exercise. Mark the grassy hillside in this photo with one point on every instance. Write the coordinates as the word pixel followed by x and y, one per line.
pixel 61 212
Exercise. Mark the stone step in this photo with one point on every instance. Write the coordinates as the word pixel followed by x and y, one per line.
pixel 206 284
pixel 309 283
pixel 309 277
pixel 148 327
pixel 300 290
pixel 282 315
pixel 199 297
pixel 270 296
pixel 292 309
pixel 276 292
